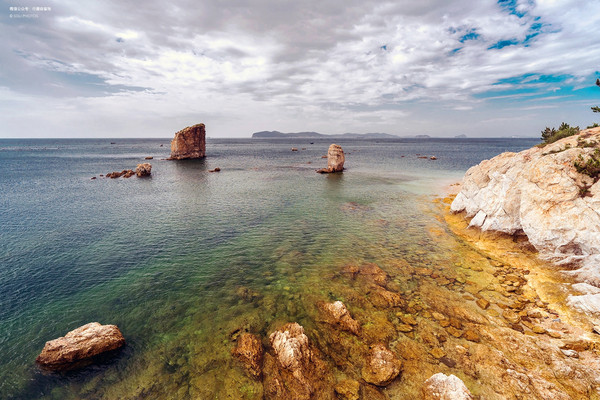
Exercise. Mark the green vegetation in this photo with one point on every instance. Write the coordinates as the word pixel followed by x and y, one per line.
pixel 594 125
pixel 551 135
pixel 589 167
pixel 596 109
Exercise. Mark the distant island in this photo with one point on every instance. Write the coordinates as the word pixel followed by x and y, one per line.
pixel 317 135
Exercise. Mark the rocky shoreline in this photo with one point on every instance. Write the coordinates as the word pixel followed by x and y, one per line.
pixel 551 195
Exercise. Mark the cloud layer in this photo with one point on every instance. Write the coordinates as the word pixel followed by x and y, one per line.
pixel 435 66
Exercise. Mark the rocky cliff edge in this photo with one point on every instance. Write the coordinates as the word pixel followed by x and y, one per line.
pixel 542 193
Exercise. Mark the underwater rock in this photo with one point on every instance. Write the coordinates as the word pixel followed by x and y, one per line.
pixel 372 273
pixel 189 143
pixel 144 169
pixel 337 314
pixel 335 160
pixel 249 351
pixel 348 389
pixel 297 370
pixel 381 366
pixel 80 344
pixel 445 387
pixel 383 298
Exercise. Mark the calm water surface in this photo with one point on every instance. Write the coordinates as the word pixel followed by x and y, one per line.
pixel 164 258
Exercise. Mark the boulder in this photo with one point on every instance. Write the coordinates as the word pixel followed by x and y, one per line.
pixel 296 371
pixel 249 352
pixel 80 345
pixel 189 143
pixel 381 366
pixel 338 315
pixel 335 160
pixel 144 169
pixel 445 387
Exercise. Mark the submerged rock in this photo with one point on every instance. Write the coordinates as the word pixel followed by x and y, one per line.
pixel 296 371
pixel 335 160
pixel 249 351
pixel 79 345
pixel 126 173
pixel 144 169
pixel 337 314
pixel 445 387
pixel 381 366
pixel 189 143
pixel 348 389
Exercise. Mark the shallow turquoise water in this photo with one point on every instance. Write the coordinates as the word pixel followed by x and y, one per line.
pixel 164 257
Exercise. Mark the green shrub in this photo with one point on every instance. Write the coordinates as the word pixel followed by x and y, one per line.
pixel 551 135
pixel 594 125
pixel 589 167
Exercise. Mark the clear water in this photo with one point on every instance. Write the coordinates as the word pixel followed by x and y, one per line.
pixel 164 257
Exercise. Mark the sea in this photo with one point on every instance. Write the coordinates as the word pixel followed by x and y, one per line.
pixel 182 260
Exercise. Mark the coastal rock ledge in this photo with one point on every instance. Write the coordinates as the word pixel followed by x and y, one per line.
pixel 189 143
pixel 79 346
pixel 541 193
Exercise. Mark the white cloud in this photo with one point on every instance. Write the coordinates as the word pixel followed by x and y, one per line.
pixel 315 65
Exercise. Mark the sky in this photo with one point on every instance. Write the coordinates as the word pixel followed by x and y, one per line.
pixel 126 68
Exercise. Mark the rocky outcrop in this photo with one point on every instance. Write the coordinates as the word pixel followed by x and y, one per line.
pixel 80 345
pixel 335 160
pixel 249 352
pixel 296 371
pixel 381 366
pixel 445 387
pixel 189 143
pixel 338 315
pixel 144 169
pixel 540 193
pixel 126 173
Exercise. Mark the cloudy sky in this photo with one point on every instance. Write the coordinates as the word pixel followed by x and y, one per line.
pixel 439 67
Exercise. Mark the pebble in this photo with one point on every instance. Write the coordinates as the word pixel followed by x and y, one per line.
pixel 570 353
pixel 438 316
pixel 483 303
pixel 472 336
pixel 511 317
pixel 437 352
pixel 538 329
pixel 453 331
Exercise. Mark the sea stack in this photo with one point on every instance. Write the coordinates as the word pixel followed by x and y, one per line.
pixel 189 143
pixel 335 160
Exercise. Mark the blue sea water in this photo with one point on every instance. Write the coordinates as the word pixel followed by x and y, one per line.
pixel 163 257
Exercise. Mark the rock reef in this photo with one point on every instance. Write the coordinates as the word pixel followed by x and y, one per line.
pixel 541 193
pixel 142 170
pixel 335 160
pixel 79 346
pixel 189 143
